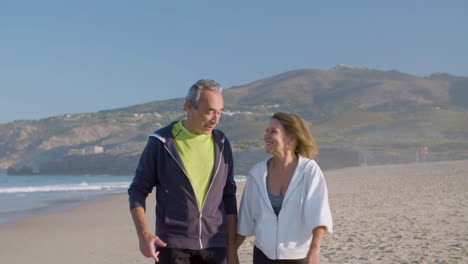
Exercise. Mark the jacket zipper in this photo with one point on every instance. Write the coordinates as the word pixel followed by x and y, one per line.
pixel 276 244
pixel 181 167
pixel 214 176
pixel 211 184
pixel 277 218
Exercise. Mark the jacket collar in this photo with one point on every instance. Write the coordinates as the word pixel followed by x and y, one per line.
pixel 165 133
pixel 165 136
pixel 261 173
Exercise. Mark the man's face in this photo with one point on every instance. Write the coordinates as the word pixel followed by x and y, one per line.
pixel 205 118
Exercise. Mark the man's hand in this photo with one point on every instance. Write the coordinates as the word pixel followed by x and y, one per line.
pixel 146 239
pixel 147 245
pixel 232 257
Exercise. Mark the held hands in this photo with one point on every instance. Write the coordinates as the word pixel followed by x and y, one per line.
pixel 147 245
pixel 232 257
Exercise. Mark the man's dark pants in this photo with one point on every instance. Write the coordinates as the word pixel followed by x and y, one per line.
pixel 189 256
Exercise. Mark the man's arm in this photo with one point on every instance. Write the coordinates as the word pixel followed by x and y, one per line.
pixel 239 240
pixel 230 203
pixel 143 182
pixel 146 239
pixel 232 256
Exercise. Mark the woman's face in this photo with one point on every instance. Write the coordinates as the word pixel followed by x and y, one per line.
pixel 276 140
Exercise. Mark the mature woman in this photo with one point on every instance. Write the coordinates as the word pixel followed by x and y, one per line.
pixel 285 200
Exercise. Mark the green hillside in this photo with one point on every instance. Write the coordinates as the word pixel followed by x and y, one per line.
pixel 384 115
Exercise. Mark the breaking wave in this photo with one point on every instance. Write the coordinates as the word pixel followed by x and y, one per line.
pixel 83 186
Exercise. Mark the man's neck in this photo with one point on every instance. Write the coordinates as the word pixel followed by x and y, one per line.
pixel 186 123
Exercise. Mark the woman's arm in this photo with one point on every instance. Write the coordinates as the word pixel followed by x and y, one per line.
pixel 313 256
pixel 239 240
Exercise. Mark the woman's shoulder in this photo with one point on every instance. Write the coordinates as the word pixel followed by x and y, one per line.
pixel 309 165
pixel 258 168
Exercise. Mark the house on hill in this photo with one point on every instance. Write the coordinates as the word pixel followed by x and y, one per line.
pixel 87 150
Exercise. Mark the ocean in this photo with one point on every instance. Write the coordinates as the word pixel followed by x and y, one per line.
pixel 23 196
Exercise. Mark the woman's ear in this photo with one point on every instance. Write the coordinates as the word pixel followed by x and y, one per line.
pixel 292 141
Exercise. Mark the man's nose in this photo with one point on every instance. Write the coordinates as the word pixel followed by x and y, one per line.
pixel 216 118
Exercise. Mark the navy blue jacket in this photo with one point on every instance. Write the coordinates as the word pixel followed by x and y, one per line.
pixel 179 221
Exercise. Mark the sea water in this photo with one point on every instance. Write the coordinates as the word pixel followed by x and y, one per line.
pixel 22 196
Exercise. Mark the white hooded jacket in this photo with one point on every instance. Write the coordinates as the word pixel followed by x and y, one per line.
pixel 305 207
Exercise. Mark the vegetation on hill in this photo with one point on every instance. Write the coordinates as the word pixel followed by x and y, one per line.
pixel 384 115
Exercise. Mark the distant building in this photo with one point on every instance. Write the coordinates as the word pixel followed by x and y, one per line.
pixel 87 150
pixel 93 149
pixel 76 152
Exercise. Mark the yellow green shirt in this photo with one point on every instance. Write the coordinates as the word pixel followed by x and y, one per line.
pixel 198 156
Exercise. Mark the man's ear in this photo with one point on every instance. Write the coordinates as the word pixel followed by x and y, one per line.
pixel 187 105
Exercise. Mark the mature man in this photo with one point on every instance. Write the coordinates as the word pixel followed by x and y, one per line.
pixel 191 165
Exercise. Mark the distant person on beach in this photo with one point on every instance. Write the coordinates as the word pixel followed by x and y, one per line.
pixel 190 164
pixel 285 200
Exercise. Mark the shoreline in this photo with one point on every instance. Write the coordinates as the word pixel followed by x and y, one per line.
pixel 53 202
pixel 89 233
pixel 52 207
pixel 69 204
pixel 21 196
pixel 412 213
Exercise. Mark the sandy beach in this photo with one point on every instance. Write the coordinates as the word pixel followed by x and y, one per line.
pixel 415 213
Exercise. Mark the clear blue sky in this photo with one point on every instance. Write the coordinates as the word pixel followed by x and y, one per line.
pixel 60 57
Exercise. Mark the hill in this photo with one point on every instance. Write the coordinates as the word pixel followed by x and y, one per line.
pixel 357 115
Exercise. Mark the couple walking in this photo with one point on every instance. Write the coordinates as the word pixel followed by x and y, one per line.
pixel 284 204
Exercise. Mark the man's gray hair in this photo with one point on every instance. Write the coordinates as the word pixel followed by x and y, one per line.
pixel 194 91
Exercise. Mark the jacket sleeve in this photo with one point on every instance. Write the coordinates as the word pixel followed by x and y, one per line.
pixel 145 176
pixel 316 209
pixel 229 192
pixel 246 222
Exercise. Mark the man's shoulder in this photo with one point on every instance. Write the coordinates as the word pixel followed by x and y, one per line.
pixel 164 132
pixel 219 135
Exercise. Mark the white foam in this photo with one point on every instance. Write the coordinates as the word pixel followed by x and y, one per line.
pixel 84 186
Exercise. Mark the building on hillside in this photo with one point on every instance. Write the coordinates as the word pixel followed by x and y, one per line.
pixel 87 150
pixel 93 149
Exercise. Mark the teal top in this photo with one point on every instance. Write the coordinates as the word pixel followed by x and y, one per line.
pixel 275 200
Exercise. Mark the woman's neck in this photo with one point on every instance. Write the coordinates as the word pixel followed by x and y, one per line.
pixel 284 161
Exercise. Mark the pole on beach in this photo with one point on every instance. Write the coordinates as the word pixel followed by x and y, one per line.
pixel 362 159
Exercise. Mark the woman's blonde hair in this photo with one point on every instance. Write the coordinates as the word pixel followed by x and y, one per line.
pixel 296 126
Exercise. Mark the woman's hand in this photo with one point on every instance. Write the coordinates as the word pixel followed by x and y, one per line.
pixel 313 256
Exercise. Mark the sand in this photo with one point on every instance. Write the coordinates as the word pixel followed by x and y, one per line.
pixel 399 214
pixel 385 214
